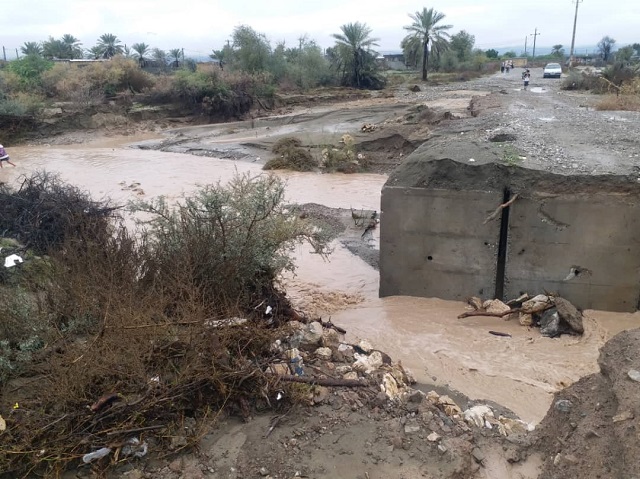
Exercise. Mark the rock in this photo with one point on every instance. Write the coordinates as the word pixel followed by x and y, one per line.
pixel 623 416
pixel 381 399
pixel 264 471
pixel 433 437
pixel 311 334
pixel 563 405
pixel 476 415
pixel 323 353
pixel 475 303
pixel 177 442
pixel 365 346
pixel 525 319
pixel 347 351
pixel 330 338
pixel 411 428
pixel 570 314
pixel 320 394
pixel 367 364
pixel 176 465
pixel 350 375
pixel 478 455
pixel 279 369
pixel 414 396
pixel 389 386
pixel 433 397
pixel 442 448
pixel 414 88
pixel 495 306
pixel 634 375
pixel 550 324
pixel 343 369
pixel 535 304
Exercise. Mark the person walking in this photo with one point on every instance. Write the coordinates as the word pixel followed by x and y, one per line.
pixel 526 76
pixel 4 156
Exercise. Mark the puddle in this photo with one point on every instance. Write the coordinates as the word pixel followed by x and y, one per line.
pixel 537 89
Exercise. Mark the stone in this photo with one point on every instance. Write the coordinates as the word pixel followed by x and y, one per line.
pixel 433 397
pixel 178 442
pixel 311 334
pixel 623 416
pixel 264 472
pixel 525 319
pixel 433 437
pixel 176 465
pixel 343 369
pixel 350 375
pixel 323 353
pixel 346 350
pixel 320 394
pixel 563 405
pixel 478 455
pixel 367 364
pixel 634 375
pixel 495 306
pixel 414 88
pixel 415 396
pixel 330 338
pixel 477 415
pixel 389 386
pixel 536 304
pixel 411 428
pixel 280 369
pixel 570 314
pixel 550 324
pixel 365 346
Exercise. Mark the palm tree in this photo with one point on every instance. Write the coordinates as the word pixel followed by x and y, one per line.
pixel 94 52
pixel 31 48
pixel 175 54
pixel 141 49
pixel 425 29
pixel 72 46
pixel 557 51
pixel 160 57
pixel 54 48
pixel 109 45
pixel 353 48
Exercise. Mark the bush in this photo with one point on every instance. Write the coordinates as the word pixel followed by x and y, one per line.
pixel 344 159
pixel 583 81
pixel 291 156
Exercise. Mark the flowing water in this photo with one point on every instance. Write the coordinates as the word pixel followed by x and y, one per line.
pixel 520 372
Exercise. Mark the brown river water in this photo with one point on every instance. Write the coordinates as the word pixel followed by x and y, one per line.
pixel 520 372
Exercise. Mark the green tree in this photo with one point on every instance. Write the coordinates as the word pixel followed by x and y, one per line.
pixel 109 45
pixel 141 53
pixel 31 48
pixel 624 54
pixel 431 36
pixel 54 48
pixel 491 53
pixel 636 47
pixel 94 52
pixel 411 49
pixel 175 53
pixel 557 51
pixel 605 47
pixel 354 54
pixel 462 44
pixel 29 70
pixel 72 46
pixel 509 54
pixel 252 50
pixel 160 57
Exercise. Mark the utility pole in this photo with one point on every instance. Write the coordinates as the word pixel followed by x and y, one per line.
pixel 534 35
pixel 4 54
pixel 525 46
pixel 573 37
pixel 17 55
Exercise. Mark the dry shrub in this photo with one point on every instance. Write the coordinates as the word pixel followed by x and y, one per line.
pixel 576 80
pixel 133 316
pixel 291 156
pixel 620 102
pixel 345 158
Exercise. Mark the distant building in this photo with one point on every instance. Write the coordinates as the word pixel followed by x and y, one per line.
pixel 394 61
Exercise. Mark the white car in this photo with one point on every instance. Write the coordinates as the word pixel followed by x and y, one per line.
pixel 552 70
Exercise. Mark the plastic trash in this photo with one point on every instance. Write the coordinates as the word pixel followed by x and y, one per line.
pixel 95 455
pixel 11 260
pixel 133 447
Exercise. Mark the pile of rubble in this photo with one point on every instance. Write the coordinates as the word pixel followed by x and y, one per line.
pixel 551 313
pixel 316 355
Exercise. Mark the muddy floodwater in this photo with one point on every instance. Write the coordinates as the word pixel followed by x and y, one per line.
pixel 520 372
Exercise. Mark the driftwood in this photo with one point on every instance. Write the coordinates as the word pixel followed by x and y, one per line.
pixel 495 214
pixel 330 325
pixel 349 383
pixel 498 333
pixel 486 313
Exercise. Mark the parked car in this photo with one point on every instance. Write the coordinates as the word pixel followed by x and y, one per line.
pixel 552 70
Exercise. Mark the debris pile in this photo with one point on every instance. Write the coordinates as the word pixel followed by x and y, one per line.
pixel 553 314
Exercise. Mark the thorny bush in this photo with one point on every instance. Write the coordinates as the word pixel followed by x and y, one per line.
pixel 136 316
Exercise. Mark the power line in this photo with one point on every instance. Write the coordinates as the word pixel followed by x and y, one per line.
pixel 573 37
pixel 534 35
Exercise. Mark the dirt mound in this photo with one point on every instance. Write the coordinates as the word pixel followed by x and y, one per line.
pixel 393 143
pixel 592 428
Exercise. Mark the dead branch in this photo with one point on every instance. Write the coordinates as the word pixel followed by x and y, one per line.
pixel 495 214
pixel 330 325
pixel 135 430
pixel 468 314
pixel 349 383
pixel 499 333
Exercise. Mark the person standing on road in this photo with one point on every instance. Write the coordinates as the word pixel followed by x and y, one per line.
pixel 502 67
pixel 4 156
pixel 526 76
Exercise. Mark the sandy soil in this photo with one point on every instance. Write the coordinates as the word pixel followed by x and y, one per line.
pixel 355 435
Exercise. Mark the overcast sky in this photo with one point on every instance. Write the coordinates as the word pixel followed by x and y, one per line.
pixel 198 26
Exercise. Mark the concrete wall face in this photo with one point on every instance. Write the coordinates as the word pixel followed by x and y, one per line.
pixel 596 234
pixel 433 243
